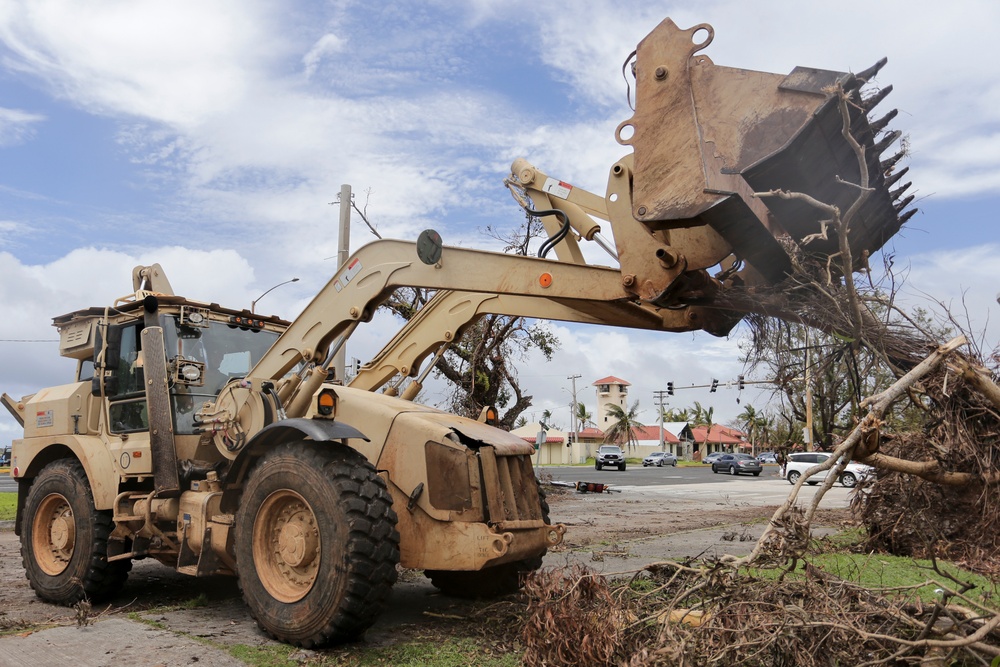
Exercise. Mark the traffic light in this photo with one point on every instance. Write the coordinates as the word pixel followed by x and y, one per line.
pixel 715 385
pixel 739 383
pixel 670 389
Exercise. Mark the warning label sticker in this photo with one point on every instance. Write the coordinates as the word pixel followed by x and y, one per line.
pixel 353 267
pixel 44 419
pixel 557 188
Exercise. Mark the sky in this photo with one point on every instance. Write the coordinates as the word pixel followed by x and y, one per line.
pixel 212 138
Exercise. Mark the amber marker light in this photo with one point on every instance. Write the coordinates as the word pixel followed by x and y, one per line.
pixel 325 402
pixel 545 280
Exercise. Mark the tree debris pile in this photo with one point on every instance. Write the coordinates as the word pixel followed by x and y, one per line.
pixel 572 619
pixel 955 514
pixel 713 614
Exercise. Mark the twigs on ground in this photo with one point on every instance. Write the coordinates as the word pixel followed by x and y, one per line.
pixel 674 614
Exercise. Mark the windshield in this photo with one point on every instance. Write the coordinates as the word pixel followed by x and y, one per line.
pixel 227 351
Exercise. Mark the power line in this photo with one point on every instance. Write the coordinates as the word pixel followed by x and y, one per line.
pixel 29 340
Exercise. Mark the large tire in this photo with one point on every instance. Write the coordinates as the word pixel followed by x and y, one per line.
pixel 733 471
pixel 849 480
pixel 316 544
pixel 64 546
pixel 621 467
pixel 597 466
pixel 490 582
pixel 793 476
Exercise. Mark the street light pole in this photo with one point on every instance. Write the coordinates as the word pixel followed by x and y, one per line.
pixel 253 304
pixel 659 394
pixel 574 427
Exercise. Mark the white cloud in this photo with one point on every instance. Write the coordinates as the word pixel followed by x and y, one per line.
pixel 17 126
pixel 178 62
pixel 242 121
pixel 325 45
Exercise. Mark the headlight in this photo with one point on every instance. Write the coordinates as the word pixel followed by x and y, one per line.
pixel 190 373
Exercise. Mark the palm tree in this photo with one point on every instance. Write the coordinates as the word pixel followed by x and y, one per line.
pixel 677 415
pixel 546 420
pixel 752 423
pixel 623 423
pixel 583 417
pixel 703 416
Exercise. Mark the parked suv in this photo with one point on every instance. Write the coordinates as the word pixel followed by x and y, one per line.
pixel 610 455
pixel 799 462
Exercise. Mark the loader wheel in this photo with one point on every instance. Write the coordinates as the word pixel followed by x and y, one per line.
pixel 316 544
pixel 64 546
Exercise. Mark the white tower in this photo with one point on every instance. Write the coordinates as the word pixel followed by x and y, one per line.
pixel 610 391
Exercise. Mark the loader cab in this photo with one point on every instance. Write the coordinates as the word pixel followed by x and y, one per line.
pixel 203 350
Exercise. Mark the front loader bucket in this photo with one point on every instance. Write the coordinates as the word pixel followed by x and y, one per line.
pixel 706 138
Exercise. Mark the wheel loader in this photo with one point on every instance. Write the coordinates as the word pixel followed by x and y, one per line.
pixel 218 441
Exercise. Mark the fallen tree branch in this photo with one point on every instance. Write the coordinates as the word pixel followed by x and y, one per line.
pixel 877 405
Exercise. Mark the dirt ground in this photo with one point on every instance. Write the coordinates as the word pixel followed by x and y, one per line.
pixel 611 533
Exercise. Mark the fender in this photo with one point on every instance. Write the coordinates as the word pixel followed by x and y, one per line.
pixel 317 430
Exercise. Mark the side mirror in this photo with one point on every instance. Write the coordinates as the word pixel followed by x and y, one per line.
pixel 107 357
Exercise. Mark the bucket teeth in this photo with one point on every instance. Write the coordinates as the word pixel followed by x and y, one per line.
pixel 886 141
pixel 879 125
pixel 863 77
pixel 867 74
pixel 906 216
pixel 871 102
pixel 887 165
pixel 903 204
pixel 891 180
pixel 894 194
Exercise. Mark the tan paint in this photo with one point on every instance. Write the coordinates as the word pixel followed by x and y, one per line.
pixel 476 504
pixel 427 543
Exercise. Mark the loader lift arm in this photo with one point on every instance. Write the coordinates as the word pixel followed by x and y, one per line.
pixel 704 140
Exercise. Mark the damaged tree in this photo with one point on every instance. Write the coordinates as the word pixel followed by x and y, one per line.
pixel 934 494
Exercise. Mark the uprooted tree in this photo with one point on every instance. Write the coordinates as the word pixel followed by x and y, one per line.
pixel 923 411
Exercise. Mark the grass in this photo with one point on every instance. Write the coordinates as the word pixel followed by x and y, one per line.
pixel 8 505
pixel 448 646
pixel 912 578
pixel 196 602
pixel 901 575
pixel 446 652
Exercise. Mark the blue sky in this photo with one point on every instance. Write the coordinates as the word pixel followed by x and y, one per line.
pixel 211 137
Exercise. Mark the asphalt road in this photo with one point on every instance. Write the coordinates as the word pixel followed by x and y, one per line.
pixel 696 487
pixel 636 475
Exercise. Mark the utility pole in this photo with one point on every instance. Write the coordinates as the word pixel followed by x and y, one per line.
pixel 572 417
pixel 809 400
pixel 660 403
pixel 343 252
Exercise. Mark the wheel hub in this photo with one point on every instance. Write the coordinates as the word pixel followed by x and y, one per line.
pixel 61 533
pixel 297 540
pixel 54 534
pixel 286 546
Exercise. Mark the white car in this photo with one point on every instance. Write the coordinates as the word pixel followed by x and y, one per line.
pixel 799 462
